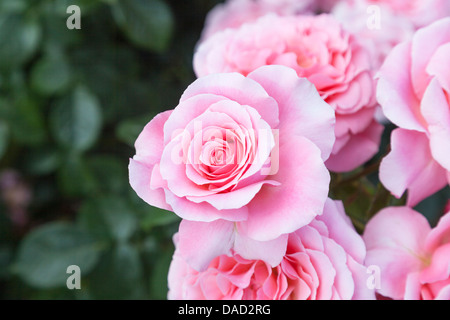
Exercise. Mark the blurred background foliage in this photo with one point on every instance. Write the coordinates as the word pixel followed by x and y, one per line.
pixel 72 103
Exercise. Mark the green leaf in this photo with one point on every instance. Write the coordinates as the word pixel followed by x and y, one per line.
pixel 4 137
pixel 128 130
pixel 74 177
pixel 153 217
pixel 158 279
pixel 19 38
pixel 76 120
pixel 50 75
pixel 6 255
pixel 47 251
pixel 108 217
pixel 147 23
pixel 119 275
pixel 11 6
pixel 43 160
pixel 110 173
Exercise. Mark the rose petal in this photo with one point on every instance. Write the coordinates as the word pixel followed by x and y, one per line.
pixel 395 242
pixel 410 166
pixel 211 239
pixel 394 91
pixel 359 149
pixel 302 111
pixel 300 198
pixel 436 111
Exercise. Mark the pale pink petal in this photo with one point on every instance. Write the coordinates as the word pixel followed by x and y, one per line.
pixel 302 111
pixel 140 175
pixel 203 211
pixel 343 281
pixel 410 166
pixel 425 43
pixel 359 273
pixel 412 286
pixel 359 149
pixel 439 66
pixel 150 142
pixel 440 234
pixel 237 88
pixel 355 122
pixel 300 198
pixel 325 272
pixel 439 268
pixel 436 111
pixel 234 199
pixel 271 252
pixel 394 90
pixel 211 239
pixel 187 111
pixel 341 229
pixel 444 294
pixel 394 239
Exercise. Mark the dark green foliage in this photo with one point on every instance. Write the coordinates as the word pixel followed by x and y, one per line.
pixel 72 103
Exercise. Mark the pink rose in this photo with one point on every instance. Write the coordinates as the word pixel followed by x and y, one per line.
pixel 317 48
pixel 414 92
pixel 322 261
pixel 377 27
pixel 413 258
pixel 234 13
pixel 236 156
pixel 420 12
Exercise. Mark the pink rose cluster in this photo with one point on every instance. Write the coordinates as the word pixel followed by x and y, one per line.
pixel 284 101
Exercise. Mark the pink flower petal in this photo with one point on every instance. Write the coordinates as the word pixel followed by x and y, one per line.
pixel 395 243
pixel 140 176
pixel 237 88
pixel 302 111
pixel 359 149
pixel 436 111
pixel 410 166
pixel 394 90
pixel 212 239
pixel 300 198
pixel 425 43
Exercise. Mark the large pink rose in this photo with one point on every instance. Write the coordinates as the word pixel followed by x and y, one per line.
pixel 414 92
pixel 318 48
pixel 413 258
pixel 236 156
pixel 234 13
pixel 322 261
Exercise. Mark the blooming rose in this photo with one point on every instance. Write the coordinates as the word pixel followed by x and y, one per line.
pixel 234 158
pixel 322 261
pixel 414 92
pixel 378 28
pixel 234 13
pixel 317 48
pixel 413 258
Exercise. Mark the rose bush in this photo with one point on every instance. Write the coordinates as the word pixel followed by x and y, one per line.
pixel 319 49
pixel 323 260
pixel 414 259
pixel 232 146
pixel 414 92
